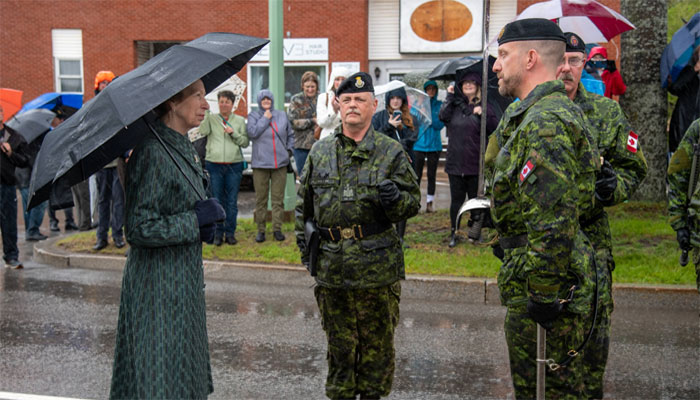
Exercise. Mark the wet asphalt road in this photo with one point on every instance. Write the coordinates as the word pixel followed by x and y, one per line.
pixel 57 329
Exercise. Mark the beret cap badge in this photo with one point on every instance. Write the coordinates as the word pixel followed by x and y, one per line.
pixel 359 83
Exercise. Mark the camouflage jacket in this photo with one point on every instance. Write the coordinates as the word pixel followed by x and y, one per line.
pixel 619 145
pixel 684 213
pixel 339 188
pixel 542 175
pixel 301 112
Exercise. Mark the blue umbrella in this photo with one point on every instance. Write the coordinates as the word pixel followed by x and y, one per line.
pixel 677 53
pixel 52 100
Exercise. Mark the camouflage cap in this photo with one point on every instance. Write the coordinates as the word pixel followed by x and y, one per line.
pixel 356 83
pixel 530 29
pixel 574 43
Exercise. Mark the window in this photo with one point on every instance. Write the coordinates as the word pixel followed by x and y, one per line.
pixel 259 78
pixel 68 60
pixel 145 50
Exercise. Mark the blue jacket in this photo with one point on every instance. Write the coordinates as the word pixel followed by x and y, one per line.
pixel 429 135
pixel 271 138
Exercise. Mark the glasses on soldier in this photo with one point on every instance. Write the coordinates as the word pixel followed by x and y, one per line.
pixel 574 61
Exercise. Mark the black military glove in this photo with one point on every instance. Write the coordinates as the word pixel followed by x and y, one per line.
pixel 611 66
pixel 388 193
pixel 544 313
pixel 498 251
pixel 605 184
pixel 683 238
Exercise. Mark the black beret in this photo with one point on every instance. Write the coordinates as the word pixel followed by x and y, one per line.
pixel 356 83
pixel 574 43
pixel 530 29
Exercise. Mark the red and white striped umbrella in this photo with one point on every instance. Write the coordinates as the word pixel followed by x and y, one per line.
pixel 594 22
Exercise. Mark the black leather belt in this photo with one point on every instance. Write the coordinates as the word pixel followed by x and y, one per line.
pixel 512 242
pixel 337 233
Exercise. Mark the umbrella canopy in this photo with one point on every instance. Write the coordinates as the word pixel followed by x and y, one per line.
pixel 52 100
pixel 677 54
pixel 111 123
pixel 594 22
pixel 495 99
pixel 445 71
pixel 32 124
pixel 11 102
pixel 418 100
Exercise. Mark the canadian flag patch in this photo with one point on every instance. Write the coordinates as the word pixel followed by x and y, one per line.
pixel 632 142
pixel 526 171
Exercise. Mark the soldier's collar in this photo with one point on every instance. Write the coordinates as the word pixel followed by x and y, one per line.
pixel 540 91
pixel 584 98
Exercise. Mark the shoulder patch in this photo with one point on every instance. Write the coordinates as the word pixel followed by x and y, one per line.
pixel 526 170
pixel 632 142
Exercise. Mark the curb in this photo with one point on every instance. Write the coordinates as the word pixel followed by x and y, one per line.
pixel 433 288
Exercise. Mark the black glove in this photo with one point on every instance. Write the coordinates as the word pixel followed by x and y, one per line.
pixel 544 313
pixel 498 251
pixel 611 66
pixel 683 238
pixel 207 233
pixel 605 184
pixel 209 211
pixel 388 193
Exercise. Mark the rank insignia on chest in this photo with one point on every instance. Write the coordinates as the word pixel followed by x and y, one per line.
pixel 632 142
pixel 348 193
pixel 526 171
pixel 196 159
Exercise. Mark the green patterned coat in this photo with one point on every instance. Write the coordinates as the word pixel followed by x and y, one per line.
pixel 543 174
pixel 161 346
pixel 619 145
pixel 684 213
pixel 301 114
pixel 339 188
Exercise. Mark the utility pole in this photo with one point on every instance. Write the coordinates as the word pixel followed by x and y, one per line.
pixel 276 70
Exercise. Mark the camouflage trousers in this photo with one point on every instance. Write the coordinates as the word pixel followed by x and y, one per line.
pixel 595 354
pixel 566 334
pixel 359 326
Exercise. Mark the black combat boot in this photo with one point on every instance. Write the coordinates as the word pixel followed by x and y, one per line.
pixel 453 238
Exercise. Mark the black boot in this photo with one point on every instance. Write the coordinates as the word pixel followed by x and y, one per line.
pixel 453 238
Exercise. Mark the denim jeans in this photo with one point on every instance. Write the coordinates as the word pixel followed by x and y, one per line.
pixel 8 221
pixel 225 182
pixel 300 159
pixel 34 217
pixel 111 204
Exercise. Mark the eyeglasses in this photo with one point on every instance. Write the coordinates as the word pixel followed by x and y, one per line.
pixel 574 61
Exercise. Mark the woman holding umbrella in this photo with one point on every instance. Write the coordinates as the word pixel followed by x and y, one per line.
pixel 461 112
pixel 162 348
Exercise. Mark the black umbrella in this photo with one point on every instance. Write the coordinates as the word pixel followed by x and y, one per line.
pixel 111 123
pixel 445 71
pixel 495 99
pixel 32 124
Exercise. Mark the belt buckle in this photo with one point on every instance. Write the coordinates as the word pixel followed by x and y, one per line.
pixel 347 233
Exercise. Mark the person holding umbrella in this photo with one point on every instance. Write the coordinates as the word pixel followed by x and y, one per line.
pixel 162 349
pixel 687 88
pixel 461 112
pixel 429 144
pixel 12 154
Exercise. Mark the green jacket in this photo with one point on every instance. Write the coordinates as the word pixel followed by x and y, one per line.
pixel 222 147
pixel 618 144
pixel 339 188
pixel 542 175
pixel 683 212
pixel 161 346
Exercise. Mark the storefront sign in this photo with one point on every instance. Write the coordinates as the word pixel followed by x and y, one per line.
pixel 298 50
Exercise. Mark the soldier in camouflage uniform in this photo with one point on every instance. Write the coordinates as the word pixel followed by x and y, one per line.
pixel 356 183
pixel 683 211
pixel 542 174
pixel 623 170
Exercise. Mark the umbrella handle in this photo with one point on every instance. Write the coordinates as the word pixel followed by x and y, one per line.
pixel 177 164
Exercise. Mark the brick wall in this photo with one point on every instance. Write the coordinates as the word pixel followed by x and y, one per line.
pixel 110 29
